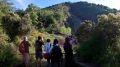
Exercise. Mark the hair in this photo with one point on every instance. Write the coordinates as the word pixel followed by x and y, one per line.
pixel 67 40
pixel 25 38
pixel 39 37
pixel 48 40
pixel 55 41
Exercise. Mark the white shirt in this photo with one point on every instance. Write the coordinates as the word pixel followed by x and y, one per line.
pixel 48 47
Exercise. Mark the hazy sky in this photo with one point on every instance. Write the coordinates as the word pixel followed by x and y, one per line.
pixel 22 4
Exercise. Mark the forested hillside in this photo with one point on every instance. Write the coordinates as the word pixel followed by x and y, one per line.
pixel 80 11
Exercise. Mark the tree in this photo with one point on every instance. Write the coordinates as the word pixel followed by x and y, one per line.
pixel 104 42
pixel 64 30
pixel 14 25
pixel 4 8
pixel 33 12
pixel 25 25
pixel 11 24
pixel 84 31
pixel 20 12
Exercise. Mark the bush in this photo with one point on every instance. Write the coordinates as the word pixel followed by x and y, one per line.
pixel 65 30
pixel 7 57
pixel 103 47
pixel 93 49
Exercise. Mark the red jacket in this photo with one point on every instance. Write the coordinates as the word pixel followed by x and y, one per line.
pixel 24 47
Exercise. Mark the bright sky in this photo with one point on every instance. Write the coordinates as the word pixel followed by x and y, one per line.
pixel 22 4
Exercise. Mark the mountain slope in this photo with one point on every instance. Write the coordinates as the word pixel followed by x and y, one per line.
pixel 80 11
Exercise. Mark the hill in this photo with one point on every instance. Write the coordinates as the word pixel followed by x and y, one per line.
pixel 80 11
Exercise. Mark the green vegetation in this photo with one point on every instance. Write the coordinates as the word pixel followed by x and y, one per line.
pixel 65 30
pixel 102 46
pixel 99 40
pixel 80 11
pixel 7 56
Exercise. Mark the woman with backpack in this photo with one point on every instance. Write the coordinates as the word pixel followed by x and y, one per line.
pixel 24 50
pixel 47 49
pixel 56 54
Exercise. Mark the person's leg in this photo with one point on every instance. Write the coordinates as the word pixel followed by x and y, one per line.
pixel 67 61
pixel 37 59
pixel 23 59
pixel 40 62
pixel 26 55
pixel 27 60
pixel 58 63
pixel 52 63
pixel 48 62
pixel 36 62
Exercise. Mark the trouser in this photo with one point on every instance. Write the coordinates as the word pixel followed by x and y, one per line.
pixel 55 64
pixel 69 62
pixel 48 62
pixel 26 59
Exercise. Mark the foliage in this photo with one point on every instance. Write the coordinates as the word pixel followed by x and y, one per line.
pixel 16 26
pixel 49 20
pixel 33 10
pixel 80 11
pixel 3 39
pixel 25 25
pixel 7 56
pixel 4 8
pixel 85 30
pixel 65 30
pixel 11 24
pixel 103 46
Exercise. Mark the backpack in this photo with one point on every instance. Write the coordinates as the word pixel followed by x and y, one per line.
pixel 21 48
pixel 56 52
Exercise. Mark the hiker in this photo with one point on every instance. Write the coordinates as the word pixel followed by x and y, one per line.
pixel 56 54
pixel 24 50
pixel 38 51
pixel 68 53
pixel 47 49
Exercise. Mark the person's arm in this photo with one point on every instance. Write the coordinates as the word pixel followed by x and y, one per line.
pixel 45 47
pixel 51 48
pixel 61 52
pixel 28 44
pixel 42 42
pixel 51 51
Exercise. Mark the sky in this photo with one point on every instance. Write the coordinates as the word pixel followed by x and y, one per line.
pixel 22 4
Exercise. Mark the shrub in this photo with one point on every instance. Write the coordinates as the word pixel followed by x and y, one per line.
pixel 103 46
pixel 7 56
pixel 65 30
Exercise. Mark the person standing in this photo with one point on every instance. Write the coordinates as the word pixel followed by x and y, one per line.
pixel 56 54
pixel 24 50
pixel 38 51
pixel 47 48
pixel 68 53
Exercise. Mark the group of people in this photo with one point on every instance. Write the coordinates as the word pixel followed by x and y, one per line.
pixel 52 52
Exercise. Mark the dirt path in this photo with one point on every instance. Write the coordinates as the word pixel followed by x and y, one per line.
pixel 44 63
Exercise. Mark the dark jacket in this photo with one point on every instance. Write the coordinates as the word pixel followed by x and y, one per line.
pixel 56 53
pixel 68 50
